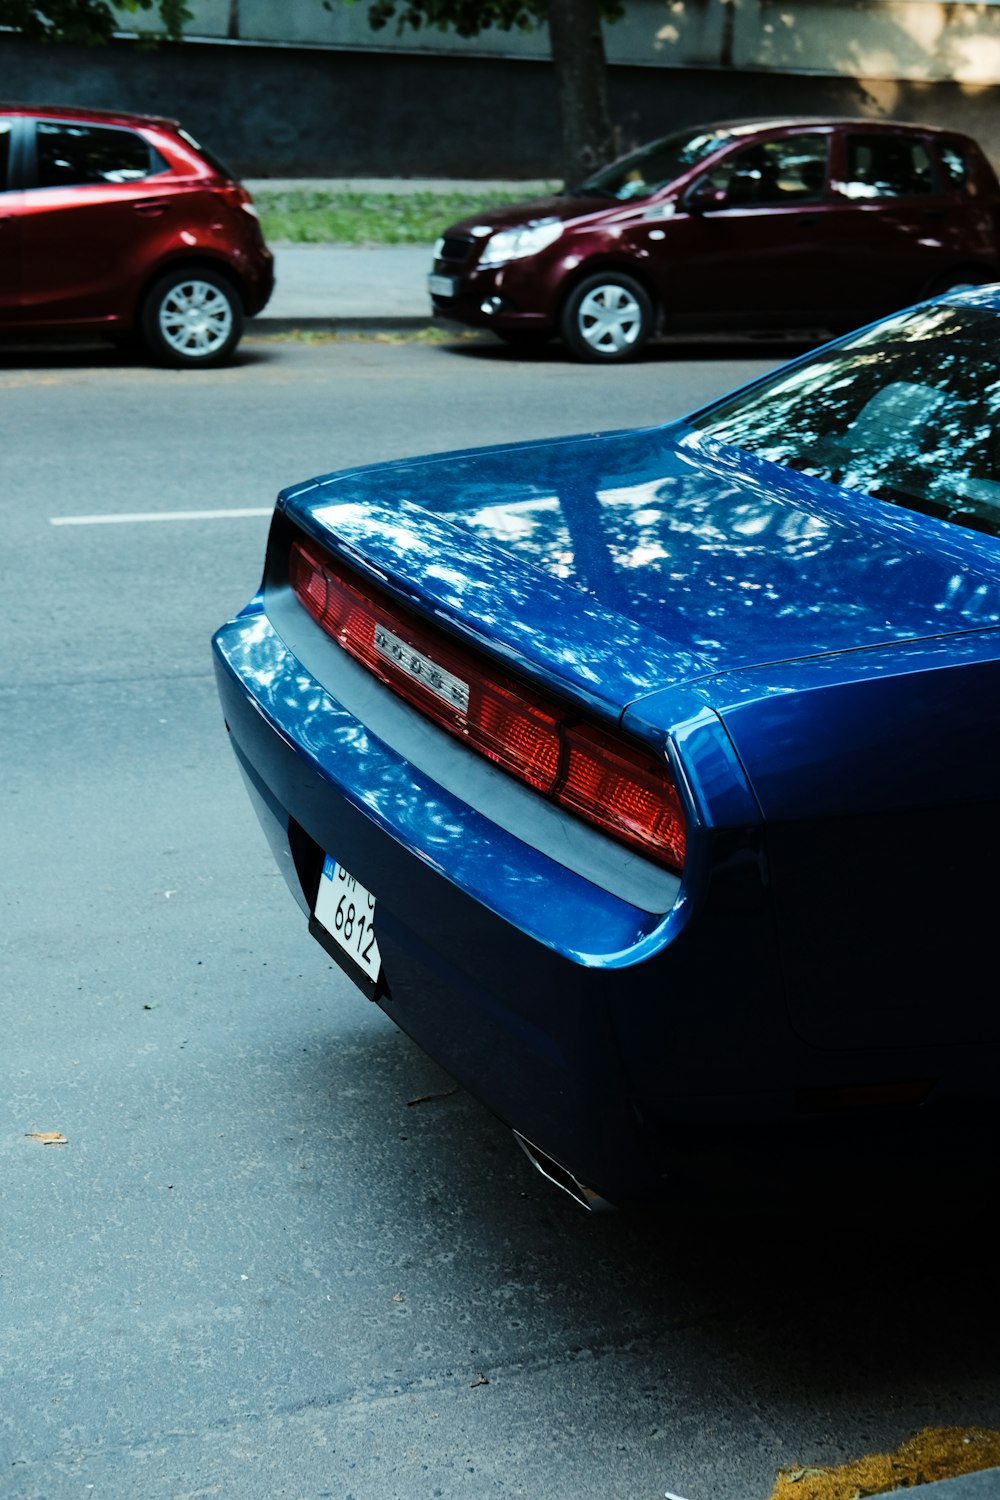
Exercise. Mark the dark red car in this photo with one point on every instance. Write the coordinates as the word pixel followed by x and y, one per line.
pixel 124 224
pixel 790 223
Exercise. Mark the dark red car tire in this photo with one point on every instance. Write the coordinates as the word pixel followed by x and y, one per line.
pixel 607 318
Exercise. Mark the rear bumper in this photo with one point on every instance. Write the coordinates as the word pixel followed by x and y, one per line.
pixel 259 282
pixel 521 1023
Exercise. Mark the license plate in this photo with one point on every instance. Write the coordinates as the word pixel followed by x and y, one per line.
pixel 346 911
pixel 441 286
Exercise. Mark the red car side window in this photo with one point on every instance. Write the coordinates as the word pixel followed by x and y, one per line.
pixel 69 154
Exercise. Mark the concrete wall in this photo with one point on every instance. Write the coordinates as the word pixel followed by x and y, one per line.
pixel 388 109
pixel 930 40
pixel 916 40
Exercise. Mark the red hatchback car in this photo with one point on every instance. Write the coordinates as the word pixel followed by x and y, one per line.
pixel 122 223
pixel 790 223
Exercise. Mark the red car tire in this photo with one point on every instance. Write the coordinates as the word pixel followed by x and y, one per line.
pixel 192 318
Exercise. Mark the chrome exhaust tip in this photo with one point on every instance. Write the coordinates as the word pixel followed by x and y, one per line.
pixel 554 1172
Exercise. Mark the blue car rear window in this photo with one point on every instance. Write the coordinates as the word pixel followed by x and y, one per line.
pixel 906 412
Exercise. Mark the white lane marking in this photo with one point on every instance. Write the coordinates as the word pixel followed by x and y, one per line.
pixel 161 515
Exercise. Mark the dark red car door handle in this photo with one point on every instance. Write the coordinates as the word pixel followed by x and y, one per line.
pixel 808 218
pixel 151 207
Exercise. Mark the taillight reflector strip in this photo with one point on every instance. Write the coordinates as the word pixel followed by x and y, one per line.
pixel 602 779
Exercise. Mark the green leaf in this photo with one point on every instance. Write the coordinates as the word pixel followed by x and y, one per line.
pixel 85 21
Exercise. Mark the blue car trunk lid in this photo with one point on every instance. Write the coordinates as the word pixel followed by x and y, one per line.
pixel 612 566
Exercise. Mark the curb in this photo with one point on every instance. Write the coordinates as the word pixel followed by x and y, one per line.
pixel 375 323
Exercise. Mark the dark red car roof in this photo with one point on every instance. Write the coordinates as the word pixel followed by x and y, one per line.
pixel 787 122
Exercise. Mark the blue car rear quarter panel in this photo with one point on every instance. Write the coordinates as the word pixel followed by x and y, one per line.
pixel 876 774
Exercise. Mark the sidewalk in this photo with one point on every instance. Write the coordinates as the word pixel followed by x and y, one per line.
pixel 343 287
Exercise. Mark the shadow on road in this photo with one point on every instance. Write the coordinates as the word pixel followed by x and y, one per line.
pixel 853 1283
pixel 63 352
pixel 662 351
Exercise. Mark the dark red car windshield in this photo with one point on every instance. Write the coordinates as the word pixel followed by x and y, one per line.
pixel 653 166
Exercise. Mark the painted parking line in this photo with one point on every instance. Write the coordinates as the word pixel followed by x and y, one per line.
pixel 129 517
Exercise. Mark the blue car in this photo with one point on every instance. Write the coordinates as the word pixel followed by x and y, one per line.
pixel 648 779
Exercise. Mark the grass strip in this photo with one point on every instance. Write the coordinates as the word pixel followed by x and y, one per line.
pixel 304 217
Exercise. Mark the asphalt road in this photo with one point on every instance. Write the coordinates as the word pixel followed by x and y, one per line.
pixel 278 1254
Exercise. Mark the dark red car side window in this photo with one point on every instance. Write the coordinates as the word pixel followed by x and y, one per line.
pixel 886 166
pixel 771 174
pixel 955 163
pixel 5 139
pixel 67 154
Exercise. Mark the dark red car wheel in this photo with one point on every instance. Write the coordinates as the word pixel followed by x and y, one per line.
pixel 607 318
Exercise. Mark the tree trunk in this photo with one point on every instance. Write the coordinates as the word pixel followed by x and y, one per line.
pixel 581 72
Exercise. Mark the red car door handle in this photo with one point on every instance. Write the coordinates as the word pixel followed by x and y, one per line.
pixel 808 218
pixel 151 207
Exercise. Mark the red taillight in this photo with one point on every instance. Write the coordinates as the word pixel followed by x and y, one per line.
pixel 234 195
pixel 624 792
pixel 604 780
